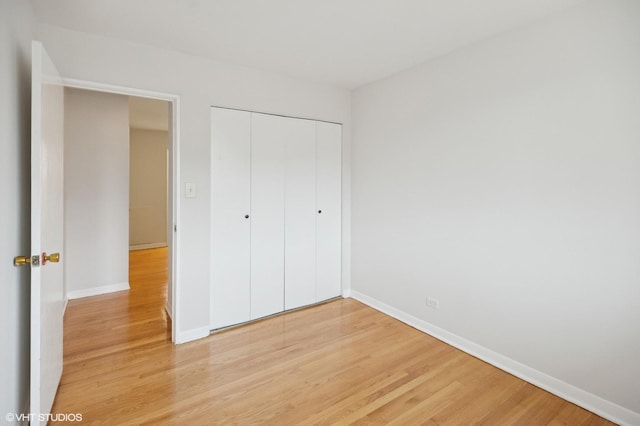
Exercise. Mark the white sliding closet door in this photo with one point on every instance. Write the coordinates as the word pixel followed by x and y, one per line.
pixel 230 230
pixel 328 210
pixel 267 214
pixel 300 213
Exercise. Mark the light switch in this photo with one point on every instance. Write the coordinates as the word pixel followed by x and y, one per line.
pixel 190 190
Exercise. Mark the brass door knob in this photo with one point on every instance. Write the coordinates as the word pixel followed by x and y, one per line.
pixel 53 258
pixel 22 260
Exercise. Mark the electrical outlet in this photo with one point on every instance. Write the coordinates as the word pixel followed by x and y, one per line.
pixel 433 303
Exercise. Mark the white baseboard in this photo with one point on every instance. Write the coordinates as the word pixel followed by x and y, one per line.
pixel 190 335
pixel 96 291
pixel 589 401
pixel 147 246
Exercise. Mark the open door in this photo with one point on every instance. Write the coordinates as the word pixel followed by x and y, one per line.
pixel 47 298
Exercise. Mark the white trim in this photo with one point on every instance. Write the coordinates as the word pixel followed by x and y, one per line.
pixel 118 90
pixel 193 334
pixel 96 291
pixel 589 401
pixel 167 309
pixel 175 150
pixel 147 246
pixel 176 207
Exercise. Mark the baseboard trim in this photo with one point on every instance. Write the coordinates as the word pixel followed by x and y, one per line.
pixel 593 403
pixel 191 335
pixel 96 291
pixel 146 246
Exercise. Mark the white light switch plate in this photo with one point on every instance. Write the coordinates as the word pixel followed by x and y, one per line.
pixel 190 190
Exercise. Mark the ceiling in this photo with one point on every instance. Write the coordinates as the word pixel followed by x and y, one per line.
pixel 344 43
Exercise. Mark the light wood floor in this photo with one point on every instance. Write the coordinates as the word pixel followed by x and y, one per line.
pixel 338 363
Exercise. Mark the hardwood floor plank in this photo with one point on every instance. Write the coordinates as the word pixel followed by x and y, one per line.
pixel 337 363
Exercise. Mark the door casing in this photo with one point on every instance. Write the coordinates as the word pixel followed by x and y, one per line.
pixel 174 175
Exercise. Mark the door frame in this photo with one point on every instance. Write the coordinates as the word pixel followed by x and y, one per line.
pixel 174 147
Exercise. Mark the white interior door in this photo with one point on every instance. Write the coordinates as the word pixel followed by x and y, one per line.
pixel 300 215
pixel 329 202
pixel 47 144
pixel 267 215
pixel 230 220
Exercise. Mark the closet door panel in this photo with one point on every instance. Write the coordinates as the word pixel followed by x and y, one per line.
pixel 300 216
pixel 230 231
pixel 267 215
pixel 328 211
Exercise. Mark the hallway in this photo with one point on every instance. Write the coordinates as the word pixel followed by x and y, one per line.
pixel 107 337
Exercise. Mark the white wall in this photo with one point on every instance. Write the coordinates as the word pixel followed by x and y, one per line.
pixel 200 83
pixel 504 181
pixel 96 192
pixel 17 24
pixel 147 188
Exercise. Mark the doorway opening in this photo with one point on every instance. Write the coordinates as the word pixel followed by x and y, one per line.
pixel 148 173
pixel 121 174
